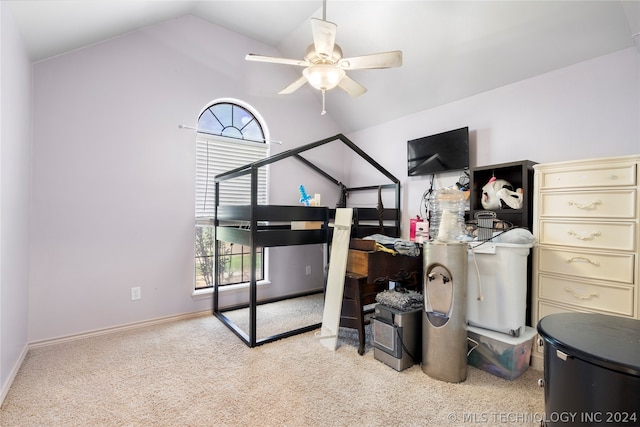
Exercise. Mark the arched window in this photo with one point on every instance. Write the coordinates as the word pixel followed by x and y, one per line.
pixel 230 134
pixel 231 120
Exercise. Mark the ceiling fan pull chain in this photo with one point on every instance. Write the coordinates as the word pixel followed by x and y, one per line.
pixel 323 109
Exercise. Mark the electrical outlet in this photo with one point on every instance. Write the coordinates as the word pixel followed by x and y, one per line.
pixel 308 270
pixel 136 293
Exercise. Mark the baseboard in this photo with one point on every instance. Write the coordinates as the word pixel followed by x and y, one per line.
pixel 12 375
pixel 98 332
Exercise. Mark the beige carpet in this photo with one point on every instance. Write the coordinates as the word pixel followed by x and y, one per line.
pixel 198 373
pixel 280 317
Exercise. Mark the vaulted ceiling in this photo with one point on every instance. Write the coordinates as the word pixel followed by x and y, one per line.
pixel 451 49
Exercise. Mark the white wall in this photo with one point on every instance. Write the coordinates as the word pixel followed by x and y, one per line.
pixel 113 176
pixel 15 124
pixel 587 110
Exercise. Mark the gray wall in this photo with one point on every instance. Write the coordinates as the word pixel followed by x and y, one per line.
pixel 15 146
pixel 591 109
pixel 113 175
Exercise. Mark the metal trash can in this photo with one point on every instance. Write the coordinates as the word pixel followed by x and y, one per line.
pixel 444 325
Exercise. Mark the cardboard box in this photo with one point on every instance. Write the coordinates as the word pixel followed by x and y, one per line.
pixel 306 225
pixel 500 354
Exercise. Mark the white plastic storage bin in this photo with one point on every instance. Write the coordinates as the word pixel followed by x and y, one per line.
pixel 497 286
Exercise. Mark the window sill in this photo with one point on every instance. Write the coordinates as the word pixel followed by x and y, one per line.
pixel 207 292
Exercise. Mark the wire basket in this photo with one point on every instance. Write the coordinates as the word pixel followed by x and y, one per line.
pixel 485 224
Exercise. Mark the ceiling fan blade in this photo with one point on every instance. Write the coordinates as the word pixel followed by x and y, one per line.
pixel 324 37
pixel 271 59
pixel 376 60
pixel 352 87
pixel 293 86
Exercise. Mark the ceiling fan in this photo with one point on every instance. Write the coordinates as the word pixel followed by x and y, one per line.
pixel 325 67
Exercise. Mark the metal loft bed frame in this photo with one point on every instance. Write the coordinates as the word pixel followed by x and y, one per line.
pixel 270 225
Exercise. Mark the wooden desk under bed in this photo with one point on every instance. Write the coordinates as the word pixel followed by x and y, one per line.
pixel 368 273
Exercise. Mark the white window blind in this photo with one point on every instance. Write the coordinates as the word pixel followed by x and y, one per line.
pixel 215 155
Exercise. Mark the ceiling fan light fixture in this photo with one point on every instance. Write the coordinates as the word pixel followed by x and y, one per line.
pixel 323 76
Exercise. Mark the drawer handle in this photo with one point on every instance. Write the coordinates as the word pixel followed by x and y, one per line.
pixel 578 296
pixel 583 259
pixel 585 206
pixel 589 236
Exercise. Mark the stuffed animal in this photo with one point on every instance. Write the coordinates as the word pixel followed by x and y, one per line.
pixel 499 194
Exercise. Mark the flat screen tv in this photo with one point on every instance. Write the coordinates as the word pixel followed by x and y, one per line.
pixel 442 152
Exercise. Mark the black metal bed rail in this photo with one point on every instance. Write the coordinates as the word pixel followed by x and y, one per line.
pixel 256 232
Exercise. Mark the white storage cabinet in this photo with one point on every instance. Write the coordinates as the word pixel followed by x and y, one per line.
pixel 585 219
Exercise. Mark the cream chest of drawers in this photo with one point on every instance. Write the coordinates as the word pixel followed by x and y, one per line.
pixel 585 219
